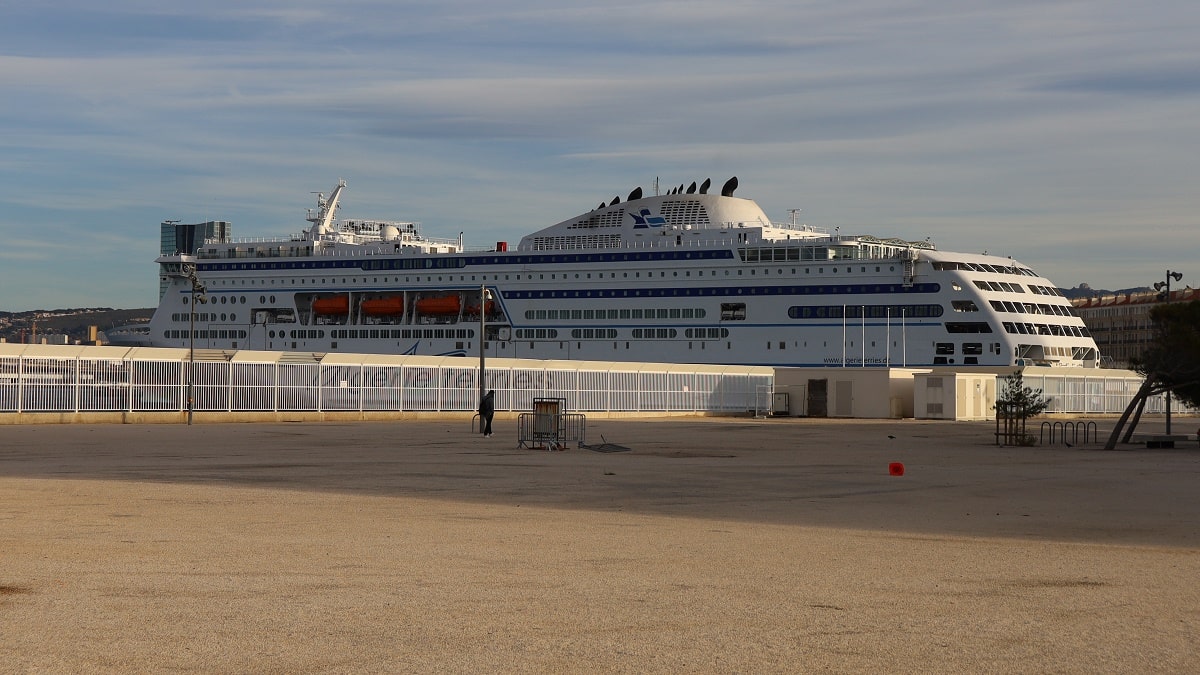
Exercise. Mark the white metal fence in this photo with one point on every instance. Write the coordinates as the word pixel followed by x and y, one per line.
pixel 101 379
pixel 1093 392
pixel 75 379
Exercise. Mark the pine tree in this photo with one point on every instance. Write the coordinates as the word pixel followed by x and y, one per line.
pixel 1020 401
pixel 1017 403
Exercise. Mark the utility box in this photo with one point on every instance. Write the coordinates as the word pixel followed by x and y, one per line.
pixel 780 403
pixel 955 396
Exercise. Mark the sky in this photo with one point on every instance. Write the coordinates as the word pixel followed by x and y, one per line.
pixel 1065 134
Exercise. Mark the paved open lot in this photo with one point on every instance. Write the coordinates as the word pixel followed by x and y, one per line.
pixel 713 545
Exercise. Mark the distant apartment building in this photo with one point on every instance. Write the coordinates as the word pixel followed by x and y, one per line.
pixel 1120 323
pixel 185 238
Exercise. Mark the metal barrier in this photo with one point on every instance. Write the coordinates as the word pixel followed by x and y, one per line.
pixel 542 431
pixel 71 379
pixel 1059 430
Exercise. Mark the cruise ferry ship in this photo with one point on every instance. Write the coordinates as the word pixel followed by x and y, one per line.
pixel 687 276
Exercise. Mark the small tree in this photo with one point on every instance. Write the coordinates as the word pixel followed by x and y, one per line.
pixel 1016 403
pixel 1019 400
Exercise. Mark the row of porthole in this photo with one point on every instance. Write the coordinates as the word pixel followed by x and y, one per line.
pixel 298 334
pixel 594 333
pixel 206 334
pixel 522 334
pixel 184 318
pixel 530 333
pixel 401 334
pixel 586 314
pixel 221 299
pixel 233 300
pixel 637 274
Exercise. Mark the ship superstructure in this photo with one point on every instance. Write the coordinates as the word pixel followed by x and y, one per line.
pixel 683 277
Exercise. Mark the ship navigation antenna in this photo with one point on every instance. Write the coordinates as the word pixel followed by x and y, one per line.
pixel 656 186
pixel 794 212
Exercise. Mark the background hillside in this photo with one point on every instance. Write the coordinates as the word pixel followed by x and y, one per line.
pixel 18 326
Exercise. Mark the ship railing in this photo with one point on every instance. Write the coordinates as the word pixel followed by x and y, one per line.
pixel 255 240
pixel 800 227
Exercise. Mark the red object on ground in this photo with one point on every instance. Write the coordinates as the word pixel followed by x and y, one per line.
pixel 896 469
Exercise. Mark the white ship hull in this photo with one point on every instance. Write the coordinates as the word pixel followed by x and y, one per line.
pixel 680 278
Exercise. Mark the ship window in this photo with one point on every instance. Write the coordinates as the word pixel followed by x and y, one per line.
pixel 965 306
pixel 733 311
pixel 944 348
pixel 968 327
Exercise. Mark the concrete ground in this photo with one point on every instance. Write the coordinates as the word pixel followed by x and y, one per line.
pixel 712 545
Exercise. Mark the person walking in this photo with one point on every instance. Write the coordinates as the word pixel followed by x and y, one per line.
pixel 487 410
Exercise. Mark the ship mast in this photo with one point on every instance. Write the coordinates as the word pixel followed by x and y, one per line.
pixel 326 208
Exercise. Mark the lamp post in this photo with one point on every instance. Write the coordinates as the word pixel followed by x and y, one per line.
pixel 198 295
pixel 484 296
pixel 1164 294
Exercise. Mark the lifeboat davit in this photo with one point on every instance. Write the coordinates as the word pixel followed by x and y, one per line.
pixel 383 306
pixel 338 304
pixel 447 304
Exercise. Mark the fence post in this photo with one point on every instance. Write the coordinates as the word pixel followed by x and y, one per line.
pixel 76 394
pixel 127 368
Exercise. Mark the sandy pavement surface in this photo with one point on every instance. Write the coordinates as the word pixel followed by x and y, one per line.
pixel 713 545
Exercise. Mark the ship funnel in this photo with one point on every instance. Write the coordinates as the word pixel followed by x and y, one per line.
pixel 730 186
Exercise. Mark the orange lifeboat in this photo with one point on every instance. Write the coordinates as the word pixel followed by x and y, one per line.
pixel 338 304
pixel 490 305
pixel 383 306
pixel 446 304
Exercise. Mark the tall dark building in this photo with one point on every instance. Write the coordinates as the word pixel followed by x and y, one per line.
pixel 185 238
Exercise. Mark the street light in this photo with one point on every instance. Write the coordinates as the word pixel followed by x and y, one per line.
pixel 198 295
pixel 1164 295
pixel 484 296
